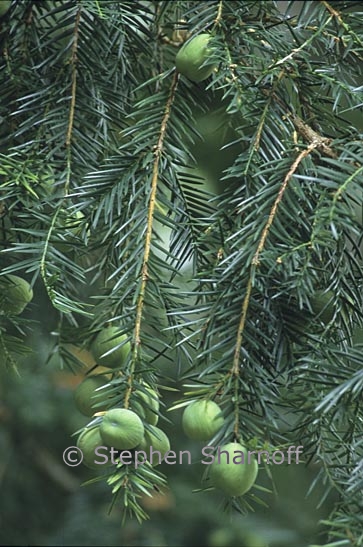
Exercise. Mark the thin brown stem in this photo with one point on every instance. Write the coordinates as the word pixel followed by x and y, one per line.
pixel 148 236
pixel 219 14
pixel 235 370
pixel 72 107
pixel 74 81
pixel 331 10
pixel 300 157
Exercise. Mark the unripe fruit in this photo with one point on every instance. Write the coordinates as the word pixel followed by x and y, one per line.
pixel 234 479
pixel 192 55
pixel 202 420
pixel 253 540
pixel 88 441
pixel 73 223
pixel 86 395
pixel 295 319
pixel 46 180
pixel 15 294
pixel 70 229
pixel 107 340
pixel 357 336
pixel 121 428
pixel 322 305
pixel 146 405
pixel 158 440
pixel 4 7
pixel 222 537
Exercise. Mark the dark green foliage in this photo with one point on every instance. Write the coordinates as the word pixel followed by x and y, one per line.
pixel 96 122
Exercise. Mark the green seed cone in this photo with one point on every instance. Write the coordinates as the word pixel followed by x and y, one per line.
pixel 121 428
pixel 234 479
pixel 146 405
pixel 86 395
pixel 202 420
pixel 4 7
pixel 158 440
pixel 191 57
pixel 15 294
pixel 322 305
pixel 88 441
pixel 108 339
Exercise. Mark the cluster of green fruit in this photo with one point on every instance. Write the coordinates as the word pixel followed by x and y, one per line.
pixel 119 428
pixel 123 429
pixel 201 421
pixel 15 294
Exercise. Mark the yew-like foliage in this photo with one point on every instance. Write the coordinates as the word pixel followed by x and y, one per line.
pixel 101 206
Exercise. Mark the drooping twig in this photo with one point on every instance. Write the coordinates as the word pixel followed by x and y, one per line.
pixel 149 228
pixel 235 370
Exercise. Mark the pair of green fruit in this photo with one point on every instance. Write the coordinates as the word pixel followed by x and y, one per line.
pixel 15 294
pixel 122 429
pixel 201 421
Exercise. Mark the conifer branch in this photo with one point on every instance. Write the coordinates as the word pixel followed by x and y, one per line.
pixel 219 14
pixel 298 160
pixel 297 229
pixel 331 10
pixel 235 371
pixel 312 137
pixel 345 26
pixel 149 229
pixel 256 258
pixel 307 133
pixel 307 42
pixel 73 98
